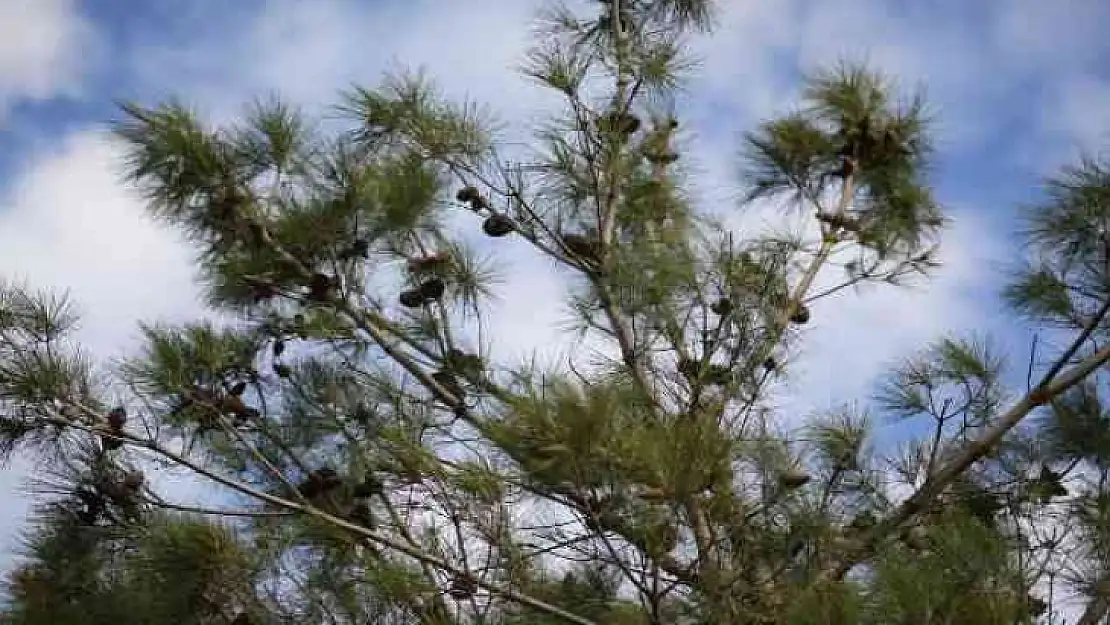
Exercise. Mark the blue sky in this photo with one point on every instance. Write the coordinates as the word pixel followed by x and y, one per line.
pixel 1018 86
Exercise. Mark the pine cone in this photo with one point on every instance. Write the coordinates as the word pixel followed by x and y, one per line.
pixel 431 262
pixel 794 478
pixel 800 315
pixel 117 418
pixel 463 587
pixel 432 289
pixel 585 247
pixel 447 380
pixel 497 226
pixel 620 123
pixel 321 286
pixel 134 480
pixel 411 298
pixel 467 195
pixel 721 307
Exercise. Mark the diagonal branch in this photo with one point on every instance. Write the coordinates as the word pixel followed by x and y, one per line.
pixel 284 503
pixel 1045 392
pixel 215 512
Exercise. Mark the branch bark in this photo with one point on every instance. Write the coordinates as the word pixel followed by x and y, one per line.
pixel 935 484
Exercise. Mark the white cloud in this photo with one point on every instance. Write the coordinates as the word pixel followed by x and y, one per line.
pixel 941 51
pixel 67 224
pixel 45 46
pixel 469 46
pixel 740 78
pixel 1055 51
pixel 1072 118
pixel 1035 36
pixel 308 52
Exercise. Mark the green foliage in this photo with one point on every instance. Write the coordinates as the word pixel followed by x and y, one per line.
pixel 1065 281
pixel 849 114
pixel 407 115
pixel 819 605
pixel 172 570
pixel 1077 427
pixel 591 592
pixel 951 379
pixel 964 575
pixel 791 154
pixel 37 365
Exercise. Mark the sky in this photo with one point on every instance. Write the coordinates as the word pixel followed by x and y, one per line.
pixel 1018 87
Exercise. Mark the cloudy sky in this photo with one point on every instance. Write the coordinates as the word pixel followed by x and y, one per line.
pixel 1018 88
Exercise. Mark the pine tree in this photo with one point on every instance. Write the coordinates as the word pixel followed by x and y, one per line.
pixel 380 468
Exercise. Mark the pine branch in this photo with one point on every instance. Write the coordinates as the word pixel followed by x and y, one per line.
pixel 345 306
pixel 254 452
pixel 216 512
pixel 402 528
pixel 607 218
pixel 1050 387
pixel 703 533
pixel 281 502
pixel 365 320
pixel 561 450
